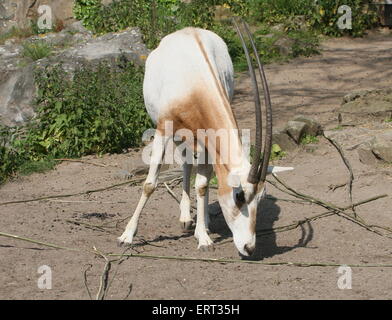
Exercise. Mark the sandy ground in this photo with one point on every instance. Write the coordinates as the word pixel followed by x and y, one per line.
pixel 312 86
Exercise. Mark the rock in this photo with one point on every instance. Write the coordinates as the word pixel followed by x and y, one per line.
pixel 16 94
pixel 375 102
pixel 283 140
pixel 313 128
pixel 19 13
pixel 285 46
pixel 296 130
pixel 355 95
pixel 77 27
pixel 382 146
pixel 366 154
pixel 17 88
pixel 278 27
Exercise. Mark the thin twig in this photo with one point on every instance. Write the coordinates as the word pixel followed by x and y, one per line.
pixel 89 226
pixel 46 244
pixel 348 166
pixel 85 201
pixel 82 161
pixel 296 224
pixel 132 181
pixel 298 264
pixel 339 211
pixel 170 191
pixel 85 280
pixel 279 263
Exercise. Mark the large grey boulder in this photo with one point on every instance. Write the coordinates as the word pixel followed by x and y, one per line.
pixel 281 138
pixel 72 50
pixel 365 153
pixel 374 102
pixel 312 128
pixel 19 13
pixel 382 146
pixel 296 130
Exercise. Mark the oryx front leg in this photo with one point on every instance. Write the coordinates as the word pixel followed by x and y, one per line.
pixel 201 185
pixel 158 151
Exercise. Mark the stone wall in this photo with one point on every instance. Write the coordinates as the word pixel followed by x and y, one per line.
pixel 18 13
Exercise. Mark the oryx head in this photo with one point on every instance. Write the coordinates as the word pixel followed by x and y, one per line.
pixel 247 182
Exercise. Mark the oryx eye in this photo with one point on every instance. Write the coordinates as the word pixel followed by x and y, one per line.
pixel 240 197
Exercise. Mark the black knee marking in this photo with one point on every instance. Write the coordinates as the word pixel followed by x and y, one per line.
pixel 202 190
pixel 148 189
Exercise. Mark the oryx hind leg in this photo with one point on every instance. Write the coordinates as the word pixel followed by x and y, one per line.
pixel 158 151
pixel 186 221
pixel 204 171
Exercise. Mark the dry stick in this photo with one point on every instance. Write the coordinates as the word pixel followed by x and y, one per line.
pixel 347 164
pixel 82 161
pixel 339 211
pixel 129 292
pixel 89 226
pixel 287 200
pixel 296 264
pixel 132 181
pixel 46 244
pixel 318 216
pixel 85 281
pixel 120 260
pixel 170 191
pixel 104 277
pixel 85 201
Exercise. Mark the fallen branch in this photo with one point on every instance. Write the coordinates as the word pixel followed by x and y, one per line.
pixel 170 191
pixel 45 244
pixel 82 161
pixel 279 263
pixel 132 181
pixel 348 166
pixel 89 226
pixel 339 211
pixel 296 224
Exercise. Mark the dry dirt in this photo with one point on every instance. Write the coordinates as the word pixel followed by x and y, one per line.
pixel 312 86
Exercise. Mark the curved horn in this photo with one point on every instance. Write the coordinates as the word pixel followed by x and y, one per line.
pixel 268 109
pixel 254 172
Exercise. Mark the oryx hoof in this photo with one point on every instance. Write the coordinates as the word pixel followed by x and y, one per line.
pixel 125 239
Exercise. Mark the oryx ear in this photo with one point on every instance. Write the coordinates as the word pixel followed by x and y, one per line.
pixel 275 169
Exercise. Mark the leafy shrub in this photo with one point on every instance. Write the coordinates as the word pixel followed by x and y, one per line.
pixel 273 11
pixel 99 110
pixel 10 157
pixel 325 17
pixel 306 43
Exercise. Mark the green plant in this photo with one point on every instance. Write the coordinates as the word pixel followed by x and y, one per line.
pixel 325 15
pixel 99 110
pixel 38 166
pixel 15 33
pixel 306 43
pixel 36 50
pixel 277 153
pixel 308 139
pixel 274 11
